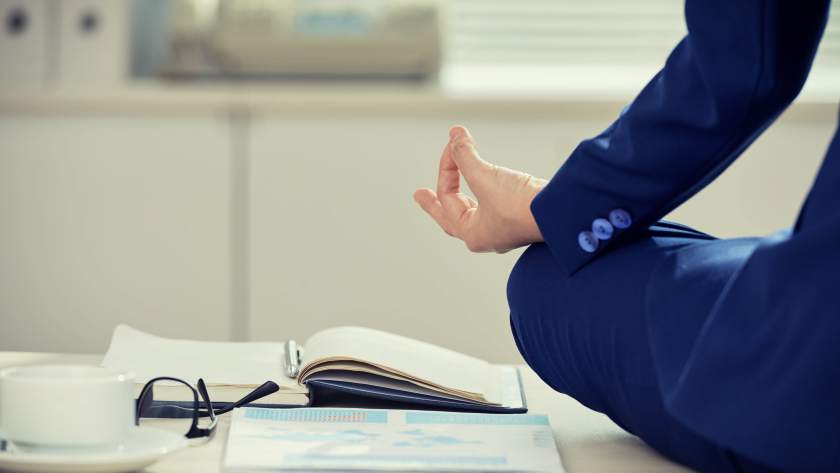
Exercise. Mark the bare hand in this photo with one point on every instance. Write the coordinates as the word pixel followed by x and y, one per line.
pixel 500 220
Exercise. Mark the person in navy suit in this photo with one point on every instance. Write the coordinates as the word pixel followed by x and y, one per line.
pixel 722 354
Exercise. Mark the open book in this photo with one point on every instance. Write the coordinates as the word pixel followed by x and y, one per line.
pixel 352 361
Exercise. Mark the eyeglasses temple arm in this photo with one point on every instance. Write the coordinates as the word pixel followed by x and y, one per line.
pixel 268 387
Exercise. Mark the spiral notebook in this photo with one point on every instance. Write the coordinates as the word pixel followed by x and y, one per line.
pixel 351 365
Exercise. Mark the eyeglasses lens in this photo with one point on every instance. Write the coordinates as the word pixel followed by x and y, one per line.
pixel 171 405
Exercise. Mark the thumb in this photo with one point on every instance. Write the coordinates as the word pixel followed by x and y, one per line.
pixel 466 157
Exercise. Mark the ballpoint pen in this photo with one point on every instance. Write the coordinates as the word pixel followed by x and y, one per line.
pixel 292 359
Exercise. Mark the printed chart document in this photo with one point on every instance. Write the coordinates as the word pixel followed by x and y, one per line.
pixel 323 439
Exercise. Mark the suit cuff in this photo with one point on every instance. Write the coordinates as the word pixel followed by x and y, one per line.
pixel 579 224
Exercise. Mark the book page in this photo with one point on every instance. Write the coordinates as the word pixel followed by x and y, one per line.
pixel 358 369
pixel 376 380
pixel 246 364
pixel 412 358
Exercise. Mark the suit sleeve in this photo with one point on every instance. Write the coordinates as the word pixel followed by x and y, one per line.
pixel 740 65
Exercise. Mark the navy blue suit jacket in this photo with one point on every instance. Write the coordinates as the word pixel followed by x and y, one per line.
pixel 741 64
pixel 762 376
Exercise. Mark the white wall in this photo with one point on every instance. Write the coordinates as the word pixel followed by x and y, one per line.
pixel 336 237
pixel 282 223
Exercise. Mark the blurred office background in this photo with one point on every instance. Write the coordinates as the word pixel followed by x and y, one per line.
pixel 243 169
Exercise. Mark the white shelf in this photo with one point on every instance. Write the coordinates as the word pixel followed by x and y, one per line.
pixel 575 91
pixel 293 98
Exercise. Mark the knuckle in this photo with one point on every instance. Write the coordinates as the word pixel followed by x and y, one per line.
pixel 527 182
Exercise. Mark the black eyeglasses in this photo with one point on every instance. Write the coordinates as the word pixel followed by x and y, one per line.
pixel 177 399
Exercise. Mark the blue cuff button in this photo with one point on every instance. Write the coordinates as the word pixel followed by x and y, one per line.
pixel 588 241
pixel 602 228
pixel 620 219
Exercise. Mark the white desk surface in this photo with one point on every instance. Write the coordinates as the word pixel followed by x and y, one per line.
pixel 588 441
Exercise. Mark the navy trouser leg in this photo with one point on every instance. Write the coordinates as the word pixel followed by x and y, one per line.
pixel 587 336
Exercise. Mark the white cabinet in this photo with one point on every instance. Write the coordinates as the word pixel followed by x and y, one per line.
pixel 109 219
pixel 266 224
pixel 336 237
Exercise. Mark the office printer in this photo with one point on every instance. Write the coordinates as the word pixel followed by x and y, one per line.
pixel 340 38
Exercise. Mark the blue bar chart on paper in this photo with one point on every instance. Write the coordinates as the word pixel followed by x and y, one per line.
pixel 339 439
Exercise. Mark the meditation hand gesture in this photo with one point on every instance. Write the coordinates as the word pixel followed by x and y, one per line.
pixel 500 220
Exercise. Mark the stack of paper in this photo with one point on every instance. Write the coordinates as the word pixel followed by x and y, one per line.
pixel 363 439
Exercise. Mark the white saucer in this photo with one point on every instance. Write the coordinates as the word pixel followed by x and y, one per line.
pixel 144 446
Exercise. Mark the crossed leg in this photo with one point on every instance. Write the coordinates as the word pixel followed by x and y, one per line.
pixel 587 335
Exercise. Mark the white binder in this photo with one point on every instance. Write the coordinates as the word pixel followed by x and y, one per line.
pixel 23 43
pixel 93 42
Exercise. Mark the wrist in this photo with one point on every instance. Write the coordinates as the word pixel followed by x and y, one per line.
pixel 534 234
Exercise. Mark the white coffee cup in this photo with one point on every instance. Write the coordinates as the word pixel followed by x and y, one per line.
pixel 65 406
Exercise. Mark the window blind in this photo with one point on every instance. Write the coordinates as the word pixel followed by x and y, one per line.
pixel 563 32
